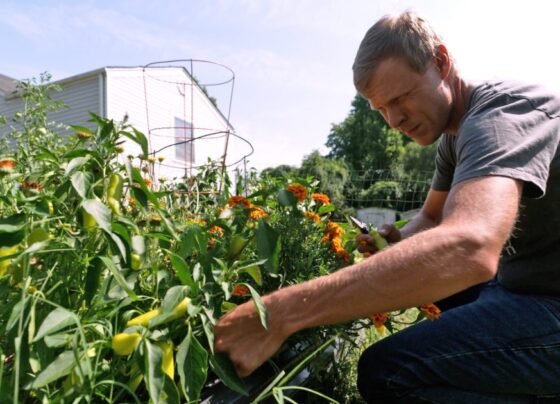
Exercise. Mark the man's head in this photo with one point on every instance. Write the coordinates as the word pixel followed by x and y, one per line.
pixel 407 37
pixel 406 73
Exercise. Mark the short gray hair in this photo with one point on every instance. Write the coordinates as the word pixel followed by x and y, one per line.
pixel 406 36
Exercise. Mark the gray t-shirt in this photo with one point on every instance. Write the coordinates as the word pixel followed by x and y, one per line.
pixel 513 130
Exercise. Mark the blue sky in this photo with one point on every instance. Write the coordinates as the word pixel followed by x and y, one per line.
pixel 292 58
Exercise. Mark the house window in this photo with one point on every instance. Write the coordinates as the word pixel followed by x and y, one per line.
pixel 184 144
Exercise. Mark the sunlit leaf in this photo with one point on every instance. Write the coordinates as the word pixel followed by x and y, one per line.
pixel 81 181
pixel 99 211
pixel 58 368
pixel 55 321
pixel 261 308
pixel 268 246
pixel 119 278
pixel 153 360
pixel 192 366
pixel 75 164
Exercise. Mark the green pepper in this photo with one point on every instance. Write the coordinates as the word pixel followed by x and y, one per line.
pixel 89 222
pixel 114 190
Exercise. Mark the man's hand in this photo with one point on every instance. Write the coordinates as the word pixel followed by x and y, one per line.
pixel 366 243
pixel 241 335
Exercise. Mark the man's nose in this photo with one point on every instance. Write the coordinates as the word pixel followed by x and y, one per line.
pixel 395 118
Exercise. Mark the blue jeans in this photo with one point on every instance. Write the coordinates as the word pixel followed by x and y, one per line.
pixel 501 348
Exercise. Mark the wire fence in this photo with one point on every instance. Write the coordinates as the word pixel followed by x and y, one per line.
pixel 388 189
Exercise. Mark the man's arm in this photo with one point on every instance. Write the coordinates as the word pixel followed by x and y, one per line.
pixel 463 250
pixel 429 216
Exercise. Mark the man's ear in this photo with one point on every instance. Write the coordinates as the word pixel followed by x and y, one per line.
pixel 442 61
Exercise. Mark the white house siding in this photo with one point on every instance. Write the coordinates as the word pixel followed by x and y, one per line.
pixel 81 96
pixel 156 100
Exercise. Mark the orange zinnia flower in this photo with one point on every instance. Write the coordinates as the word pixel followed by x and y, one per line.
pixel 334 230
pixel 82 135
pixel 336 245
pixel 257 213
pixel 379 320
pixel 32 185
pixel 200 222
pixel 321 198
pixel 217 231
pixel 313 216
pixel 240 290
pixel 238 200
pixel 8 164
pixel 431 311
pixel 299 191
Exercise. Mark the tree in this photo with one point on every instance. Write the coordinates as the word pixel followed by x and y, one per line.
pixel 387 168
pixel 283 170
pixel 364 141
pixel 333 175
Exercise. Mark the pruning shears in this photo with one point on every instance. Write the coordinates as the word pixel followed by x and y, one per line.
pixel 360 225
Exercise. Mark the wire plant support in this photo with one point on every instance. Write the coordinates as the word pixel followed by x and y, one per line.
pixel 189 90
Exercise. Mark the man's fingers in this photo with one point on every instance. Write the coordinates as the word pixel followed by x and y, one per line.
pixel 390 233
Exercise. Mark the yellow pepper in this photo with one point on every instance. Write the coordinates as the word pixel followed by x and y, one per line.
pixel 4 252
pixel 124 344
pixel 114 205
pixel 143 319
pixel 168 363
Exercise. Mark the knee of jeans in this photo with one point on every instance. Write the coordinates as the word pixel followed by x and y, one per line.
pixel 373 373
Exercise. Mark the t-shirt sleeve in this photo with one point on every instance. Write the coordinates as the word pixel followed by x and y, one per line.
pixel 512 140
pixel 445 164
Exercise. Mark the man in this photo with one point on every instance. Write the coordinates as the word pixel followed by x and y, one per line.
pixel 492 216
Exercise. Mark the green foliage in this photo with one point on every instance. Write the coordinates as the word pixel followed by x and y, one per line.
pixel 92 256
pixel 333 175
pixel 282 171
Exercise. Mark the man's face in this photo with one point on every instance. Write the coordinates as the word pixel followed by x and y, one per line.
pixel 419 105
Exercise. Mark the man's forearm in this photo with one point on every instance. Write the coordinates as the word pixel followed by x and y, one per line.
pixel 418 223
pixel 421 269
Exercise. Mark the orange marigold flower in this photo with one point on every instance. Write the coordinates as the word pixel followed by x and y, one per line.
pixel 321 198
pixel 257 213
pixel 431 311
pixel 217 231
pixel 148 182
pixel 313 216
pixel 240 290
pixel 299 191
pixel 238 200
pixel 379 320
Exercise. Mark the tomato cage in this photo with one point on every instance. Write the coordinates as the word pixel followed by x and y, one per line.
pixel 188 107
